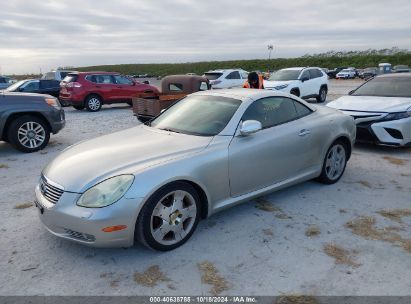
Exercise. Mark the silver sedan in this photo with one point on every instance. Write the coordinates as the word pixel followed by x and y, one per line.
pixel 210 151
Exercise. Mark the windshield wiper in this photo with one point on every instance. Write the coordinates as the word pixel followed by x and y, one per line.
pixel 169 130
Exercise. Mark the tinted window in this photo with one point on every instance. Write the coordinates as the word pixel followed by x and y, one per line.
pixel 233 75
pixel 31 86
pixel 198 115
pixel 285 75
pixel 213 76
pixel 63 74
pixel 314 73
pixel 2 80
pixel 272 111
pixel 305 75
pixel 49 84
pixel 386 86
pixel 302 110
pixel 104 79
pixel 175 87
pixel 122 80
pixel 72 78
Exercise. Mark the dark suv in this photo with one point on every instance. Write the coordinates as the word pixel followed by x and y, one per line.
pixel 26 120
pixel 91 90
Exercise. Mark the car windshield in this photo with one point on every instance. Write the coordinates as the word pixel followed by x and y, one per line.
pixel 285 75
pixel 15 86
pixel 386 87
pixel 213 76
pixel 198 115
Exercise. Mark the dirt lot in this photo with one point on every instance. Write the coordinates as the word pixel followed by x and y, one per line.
pixel 351 238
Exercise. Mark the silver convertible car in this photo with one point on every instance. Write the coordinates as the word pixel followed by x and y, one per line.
pixel 210 151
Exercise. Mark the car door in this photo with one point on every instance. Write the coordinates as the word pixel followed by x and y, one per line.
pixel 234 80
pixel 103 84
pixel 316 78
pixel 124 88
pixel 274 154
pixel 305 83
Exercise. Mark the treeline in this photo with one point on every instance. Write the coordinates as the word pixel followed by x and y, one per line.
pixel 330 62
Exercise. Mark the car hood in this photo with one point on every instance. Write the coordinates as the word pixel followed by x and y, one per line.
pixel 273 84
pixel 126 152
pixel 371 103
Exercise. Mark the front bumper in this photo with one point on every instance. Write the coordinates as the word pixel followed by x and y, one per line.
pixel 84 225
pixel 392 132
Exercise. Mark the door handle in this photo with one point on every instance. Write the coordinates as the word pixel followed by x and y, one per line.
pixel 304 132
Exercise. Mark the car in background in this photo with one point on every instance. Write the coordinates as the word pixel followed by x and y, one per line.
pixel 50 87
pixel 56 75
pixel 91 90
pixel 332 73
pixel 226 79
pixel 210 151
pixel 26 120
pixel 309 82
pixel 368 73
pixel 381 108
pixel 346 74
pixel 401 69
pixel 5 82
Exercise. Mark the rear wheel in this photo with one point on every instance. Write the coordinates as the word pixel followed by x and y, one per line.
pixel 322 96
pixel 28 133
pixel 169 217
pixel 93 103
pixel 334 163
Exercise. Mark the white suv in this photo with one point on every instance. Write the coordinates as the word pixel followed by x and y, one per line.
pixel 226 79
pixel 303 82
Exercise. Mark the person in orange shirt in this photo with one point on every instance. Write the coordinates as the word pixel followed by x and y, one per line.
pixel 254 81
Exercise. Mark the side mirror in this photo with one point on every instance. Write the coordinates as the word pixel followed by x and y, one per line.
pixel 249 127
pixel 304 79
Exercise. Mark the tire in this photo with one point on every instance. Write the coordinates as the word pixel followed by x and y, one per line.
pixel 295 92
pixel 322 96
pixel 161 225
pixel 79 107
pixel 333 169
pixel 28 133
pixel 93 103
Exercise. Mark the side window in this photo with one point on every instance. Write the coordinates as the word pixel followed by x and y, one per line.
pixel 175 87
pixel 2 80
pixel 315 73
pixel 233 75
pixel 31 86
pixel 203 86
pixel 103 79
pixel 271 111
pixel 305 74
pixel 244 75
pixel 302 110
pixel 91 78
pixel 122 80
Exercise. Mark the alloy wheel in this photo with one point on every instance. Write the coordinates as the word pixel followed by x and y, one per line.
pixel 31 134
pixel 335 162
pixel 94 104
pixel 173 217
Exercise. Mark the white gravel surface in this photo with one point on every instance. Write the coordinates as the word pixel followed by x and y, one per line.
pixel 256 252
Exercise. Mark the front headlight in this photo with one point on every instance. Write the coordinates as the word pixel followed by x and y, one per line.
pixel 281 87
pixel 398 115
pixel 52 102
pixel 106 193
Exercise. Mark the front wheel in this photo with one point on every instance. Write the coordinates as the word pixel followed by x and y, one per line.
pixel 169 217
pixel 28 133
pixel 334 163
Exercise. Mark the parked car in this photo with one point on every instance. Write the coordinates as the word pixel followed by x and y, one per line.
pixel 381 108
pixel 368 73
pixel 91 90
pixel 56 75
pixel 210 151
pixel 346 74
pixel 5 82
pixel 226 79
pixel 26 120
pixel 173 88
pixel 50 87
pixel 333 73
pixel 303 82
pixel 401 69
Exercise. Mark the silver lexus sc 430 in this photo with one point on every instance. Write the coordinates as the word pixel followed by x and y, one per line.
pixel 211 150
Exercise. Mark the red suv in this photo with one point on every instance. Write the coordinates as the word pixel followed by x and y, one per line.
pixel 91 90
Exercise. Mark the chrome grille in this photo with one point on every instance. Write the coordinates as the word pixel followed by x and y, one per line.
pixel 50 192
pixel 80 236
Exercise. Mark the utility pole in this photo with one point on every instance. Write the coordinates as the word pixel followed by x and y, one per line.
pixel 270 48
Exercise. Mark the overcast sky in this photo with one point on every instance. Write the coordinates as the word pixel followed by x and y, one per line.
pixel 50 33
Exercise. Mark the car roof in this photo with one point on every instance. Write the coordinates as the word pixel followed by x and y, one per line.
pixel 395 75
pixel 224 70
pixel 95 73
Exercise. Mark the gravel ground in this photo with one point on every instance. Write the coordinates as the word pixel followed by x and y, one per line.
pixel 294 241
